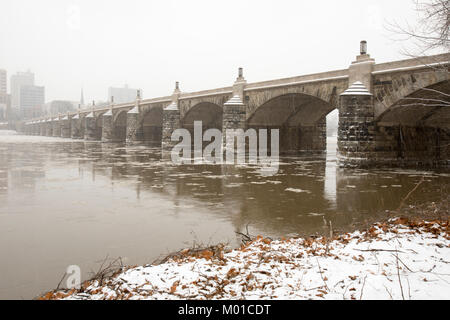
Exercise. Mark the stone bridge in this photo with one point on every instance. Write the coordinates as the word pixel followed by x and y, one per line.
pixel 395 113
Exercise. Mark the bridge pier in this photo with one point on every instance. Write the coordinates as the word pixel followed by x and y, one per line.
pixel 356 127
pixel 171 122
pixel 90 127
pixel 108 127
pixel 56 127
pixel 357 114
pixel 66 127
pixel 135 129
pixel 42 128
pixel 77 127
pixel 234 117
pixel 234 110
pixel 49 128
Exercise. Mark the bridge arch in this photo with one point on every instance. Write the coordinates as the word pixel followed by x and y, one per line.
pixel 390 89
pixel 120 125
pixel 301 119
pixel 419 107
pixel 328 91
pixel 99 125
pixel 79 127
pixel 152 122
pixel 416 127
pixel 209 113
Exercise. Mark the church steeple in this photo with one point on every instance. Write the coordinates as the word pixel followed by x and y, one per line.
pixel 82 98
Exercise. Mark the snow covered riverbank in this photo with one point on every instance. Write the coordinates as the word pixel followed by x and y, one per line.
pixel 398 259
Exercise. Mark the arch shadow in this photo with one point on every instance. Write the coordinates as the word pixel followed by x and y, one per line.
pixel 301 119
pixel 416 128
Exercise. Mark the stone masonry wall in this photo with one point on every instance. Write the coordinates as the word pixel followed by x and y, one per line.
pixel 412 146
pixel 77 128
pixel 356 130
pixel 65 128
pixel 90 132
pixel 135 133
pixel 362 143
pixel 171 122
pixel 107 128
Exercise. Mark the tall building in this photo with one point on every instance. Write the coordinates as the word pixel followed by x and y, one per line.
pixel 82 98
pixel 27 100
pixel 17 81
pixel 5 101
pixel 122 95
pixel 32 99
pixel 3 82
pixel 5 110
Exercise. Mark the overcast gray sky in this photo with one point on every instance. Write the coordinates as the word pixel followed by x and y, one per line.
pixel 95 44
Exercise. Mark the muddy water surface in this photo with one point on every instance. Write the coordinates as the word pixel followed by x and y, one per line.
pixel 65 202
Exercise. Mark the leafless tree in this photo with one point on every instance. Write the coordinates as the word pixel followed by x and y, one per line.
pixel 430 34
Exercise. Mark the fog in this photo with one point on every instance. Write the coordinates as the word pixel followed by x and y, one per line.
pixel 95 44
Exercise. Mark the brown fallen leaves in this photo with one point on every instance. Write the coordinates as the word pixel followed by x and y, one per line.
pixel 232 273
pixel 52 295
pixel 174 286
pixel 358 258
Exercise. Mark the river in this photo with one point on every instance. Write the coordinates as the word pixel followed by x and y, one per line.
pixel 65 202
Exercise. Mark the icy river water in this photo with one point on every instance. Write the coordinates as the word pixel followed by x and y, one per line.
pixel 66 202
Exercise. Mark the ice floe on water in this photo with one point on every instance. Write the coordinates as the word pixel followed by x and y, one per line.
pixel 297 190
pixel 215 176
pixel 233 185
pixel 314 214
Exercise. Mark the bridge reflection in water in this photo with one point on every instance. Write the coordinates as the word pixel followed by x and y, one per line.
pixel 66 202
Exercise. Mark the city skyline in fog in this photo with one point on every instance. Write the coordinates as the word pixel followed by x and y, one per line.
pixel 94 45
